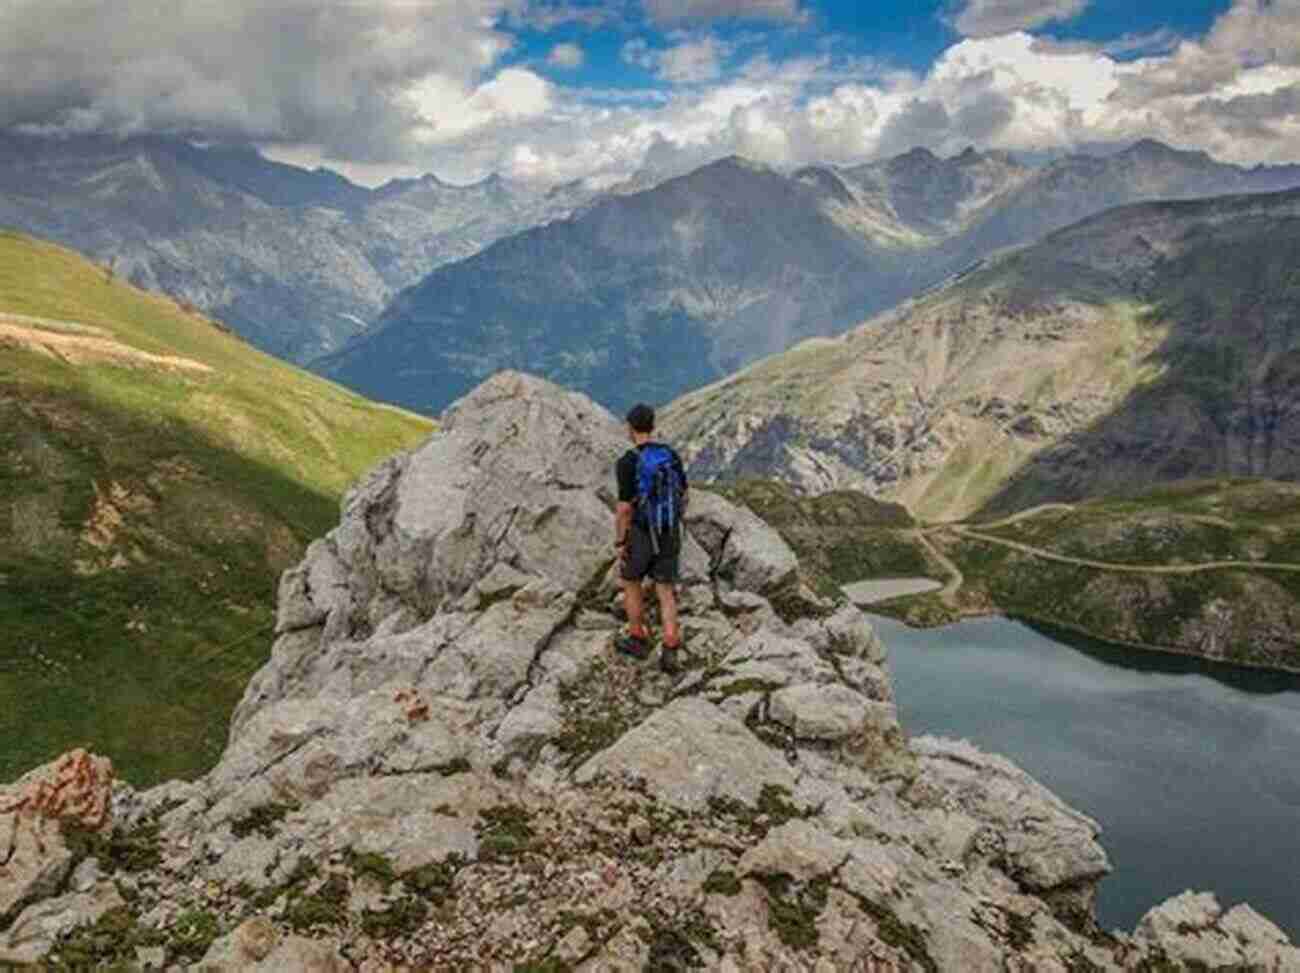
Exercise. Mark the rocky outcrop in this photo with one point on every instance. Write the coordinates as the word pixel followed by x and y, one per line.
pixel 444 766
pixel 72 792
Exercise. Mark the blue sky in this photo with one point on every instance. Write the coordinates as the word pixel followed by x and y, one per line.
pixel 909 34
pixel 554 90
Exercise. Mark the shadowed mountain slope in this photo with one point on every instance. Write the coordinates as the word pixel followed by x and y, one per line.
pixel 1148 344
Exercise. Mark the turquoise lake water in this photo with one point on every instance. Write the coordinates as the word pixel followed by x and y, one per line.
pixel 1192 769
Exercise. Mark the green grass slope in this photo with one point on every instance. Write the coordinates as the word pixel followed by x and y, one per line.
pixel 156 475
pixel 1209 568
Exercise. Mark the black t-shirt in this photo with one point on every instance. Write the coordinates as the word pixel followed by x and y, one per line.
pixel 625 471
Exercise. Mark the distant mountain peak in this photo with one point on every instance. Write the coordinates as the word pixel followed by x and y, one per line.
pixel 738 162
pixel 918 154
pixel 1149 148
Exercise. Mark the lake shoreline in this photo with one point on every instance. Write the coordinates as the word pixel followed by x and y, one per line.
pixel 964 614
pixel 1184 763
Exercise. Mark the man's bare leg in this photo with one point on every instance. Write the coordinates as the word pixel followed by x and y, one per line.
pixel 634 605
pixel 668 614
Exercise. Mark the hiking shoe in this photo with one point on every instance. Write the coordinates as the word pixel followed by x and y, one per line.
pixel 670 663
pixel 637 646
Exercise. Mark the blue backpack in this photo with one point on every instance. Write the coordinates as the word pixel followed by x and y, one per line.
pixel 659 490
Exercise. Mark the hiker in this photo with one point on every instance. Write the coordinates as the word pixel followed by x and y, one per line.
pixel 648 536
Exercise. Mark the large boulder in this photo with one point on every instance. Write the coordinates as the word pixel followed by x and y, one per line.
pixel 73 791
pixel 745 551
pixel 690 753
pixel 1194 932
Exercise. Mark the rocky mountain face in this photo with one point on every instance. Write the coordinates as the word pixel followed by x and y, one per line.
pixel 444 767
pixel 652 294
pixel 295 261
pixel 1152 343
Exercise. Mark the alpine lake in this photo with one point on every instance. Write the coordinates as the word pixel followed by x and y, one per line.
pixel 1191 768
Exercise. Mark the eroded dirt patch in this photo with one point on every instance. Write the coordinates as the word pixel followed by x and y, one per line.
pixel 79 344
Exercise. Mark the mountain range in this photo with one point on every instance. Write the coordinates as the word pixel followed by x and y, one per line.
pixel 296 261
pixel 1151 343
pixel 652 294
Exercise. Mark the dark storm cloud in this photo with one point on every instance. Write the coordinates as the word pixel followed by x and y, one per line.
pixel 988 18
pixel 1251 116
pixel 332 73
pixel 670 11
pixel 976 117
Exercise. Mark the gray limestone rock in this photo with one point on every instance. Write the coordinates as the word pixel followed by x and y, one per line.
pixel 799 849
pixel 829 712
pixel 1048 845
pixel 246 950
pixel 744 550
pixel 39 926
pixel 1192 930
pixel 691 751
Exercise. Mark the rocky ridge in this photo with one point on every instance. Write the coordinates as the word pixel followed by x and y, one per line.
pixel 443 767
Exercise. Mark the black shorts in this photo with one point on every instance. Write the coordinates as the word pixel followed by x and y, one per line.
pixel 642 560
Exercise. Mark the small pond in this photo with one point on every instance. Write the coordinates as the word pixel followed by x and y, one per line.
pixel 1192 769
pixel 883 589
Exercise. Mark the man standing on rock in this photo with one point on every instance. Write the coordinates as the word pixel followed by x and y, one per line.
pixel 648 536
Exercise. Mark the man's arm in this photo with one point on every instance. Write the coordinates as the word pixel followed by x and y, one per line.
pixel 622 522
pixel 625 473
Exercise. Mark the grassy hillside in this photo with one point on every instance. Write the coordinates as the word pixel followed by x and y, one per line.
pixel 840 537
pixel 1209 568
pixel 156 475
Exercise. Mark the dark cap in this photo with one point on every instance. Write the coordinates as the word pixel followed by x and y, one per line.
pixel 641 418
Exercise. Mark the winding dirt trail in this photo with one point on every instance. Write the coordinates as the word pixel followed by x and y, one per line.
pixel 1125 568
pixel 955 578
pixel 1015 518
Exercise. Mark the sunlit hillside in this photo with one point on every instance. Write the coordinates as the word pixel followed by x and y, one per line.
pixel 156 475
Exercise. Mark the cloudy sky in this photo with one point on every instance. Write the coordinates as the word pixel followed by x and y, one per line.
pixel 553 90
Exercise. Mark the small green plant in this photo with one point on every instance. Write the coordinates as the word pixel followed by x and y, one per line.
pixel 135 850
pixel 722 881
pixel 401 918
pixel 109 942
pixel 189 937
pixel 504 833
pixel 262 820
pixel 551 964
pixel 911 939
pixel 327 906
pixel 435 881
pixel 371 865
pixel 793 908
pixel 773 809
